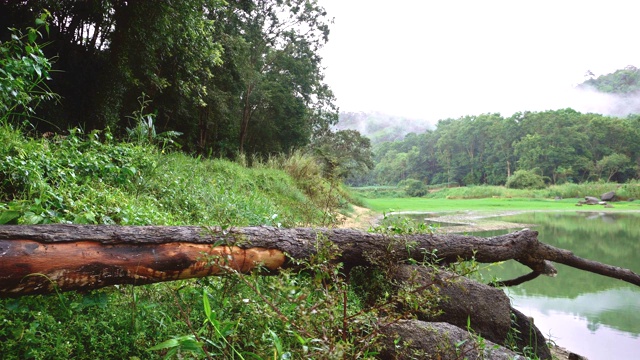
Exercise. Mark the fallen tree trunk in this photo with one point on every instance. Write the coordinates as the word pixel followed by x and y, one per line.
pixel 41 258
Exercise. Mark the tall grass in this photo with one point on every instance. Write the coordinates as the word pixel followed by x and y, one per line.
pixel 90 179
pixel 93 179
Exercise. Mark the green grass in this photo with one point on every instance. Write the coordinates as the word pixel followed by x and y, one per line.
pixel 626 191
pixel 94 179
pixel 499 198
pixel 490 204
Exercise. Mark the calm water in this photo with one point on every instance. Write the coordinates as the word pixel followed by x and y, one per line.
pixel 592 315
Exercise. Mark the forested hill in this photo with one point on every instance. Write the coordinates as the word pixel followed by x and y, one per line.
pixel 621 89
pixel 620 92
pixel 625 81
pixel 561 145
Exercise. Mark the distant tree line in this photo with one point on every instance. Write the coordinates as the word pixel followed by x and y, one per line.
pixel 560 145
pixel 233 77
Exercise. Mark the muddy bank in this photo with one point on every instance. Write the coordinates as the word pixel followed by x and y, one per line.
pixel 471 221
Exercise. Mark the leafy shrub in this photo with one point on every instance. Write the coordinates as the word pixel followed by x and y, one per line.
pixel 414 188
pixel 23 71
pixel 524 179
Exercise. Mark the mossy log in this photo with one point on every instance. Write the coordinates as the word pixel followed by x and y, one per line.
pixel 43 258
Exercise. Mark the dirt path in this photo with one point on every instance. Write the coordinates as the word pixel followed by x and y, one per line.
pixel 361 218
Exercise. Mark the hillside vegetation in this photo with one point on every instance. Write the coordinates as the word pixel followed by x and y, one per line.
pixel 94 179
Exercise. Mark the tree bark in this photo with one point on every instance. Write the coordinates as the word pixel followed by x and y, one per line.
pixel 43 258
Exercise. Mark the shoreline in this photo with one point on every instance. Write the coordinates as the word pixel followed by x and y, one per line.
pixel 480 220
pixel 468 221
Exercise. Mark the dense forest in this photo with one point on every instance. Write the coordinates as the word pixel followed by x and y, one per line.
pixel 557 145
pixel 230 77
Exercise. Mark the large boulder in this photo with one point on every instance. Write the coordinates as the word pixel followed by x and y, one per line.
pixel 415 339
pixel 608 196
pixel 591 200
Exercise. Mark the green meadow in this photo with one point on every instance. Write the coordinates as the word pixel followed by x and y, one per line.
pixel 500 199
pixel 519 204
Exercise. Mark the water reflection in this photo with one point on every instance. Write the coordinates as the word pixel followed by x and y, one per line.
pixel 594 315
pixel 590 314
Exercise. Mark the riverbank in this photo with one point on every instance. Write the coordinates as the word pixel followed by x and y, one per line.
pixel 466 221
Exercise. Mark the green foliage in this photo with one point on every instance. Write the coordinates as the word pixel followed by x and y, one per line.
pixel 93 179
pixel 343 153
pixel 58 180
pixel 372 192
pixel 310 315
pixel 524 179
pixel 624 81
pixel 144 130
pixel 24 68
pixel 562 145
pixel 613 164
pixel 326 192
pixel 233 77
pixel 413 187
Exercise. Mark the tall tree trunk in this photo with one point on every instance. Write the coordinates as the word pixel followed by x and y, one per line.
pixel 247 112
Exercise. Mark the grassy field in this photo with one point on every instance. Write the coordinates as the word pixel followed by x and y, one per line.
pixel 518 204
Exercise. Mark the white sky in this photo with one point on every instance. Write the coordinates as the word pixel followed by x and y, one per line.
pixel 437 59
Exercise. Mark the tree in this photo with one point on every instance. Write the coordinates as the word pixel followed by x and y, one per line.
pixel 523 179
pixel 613 164
pixel 414 188
pixel 279 67
pixel 24 68
pixel 343 153
pixel 268 96
pixel 552 140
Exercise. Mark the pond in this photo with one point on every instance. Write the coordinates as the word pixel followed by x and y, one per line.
pixel 592 315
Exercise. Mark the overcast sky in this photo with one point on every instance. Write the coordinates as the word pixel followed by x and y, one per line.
pixel 437 59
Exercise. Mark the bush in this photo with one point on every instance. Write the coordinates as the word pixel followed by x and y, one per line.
pixel 414 188
pixel 23 71
pixel 523 179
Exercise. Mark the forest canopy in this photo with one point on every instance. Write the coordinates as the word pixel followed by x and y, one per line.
pixel 559 145
pixel 231 77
